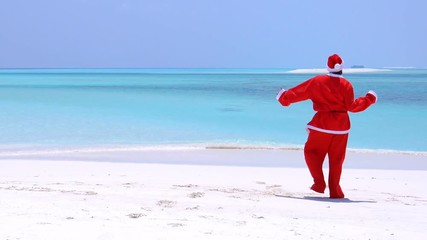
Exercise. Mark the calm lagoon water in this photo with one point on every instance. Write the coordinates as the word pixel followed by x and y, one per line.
pixel 112 107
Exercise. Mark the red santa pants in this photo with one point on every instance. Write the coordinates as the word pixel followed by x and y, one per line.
pixel 317 146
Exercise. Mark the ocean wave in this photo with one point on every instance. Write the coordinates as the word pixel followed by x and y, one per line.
pixel 301 147
pixel 40 151
pixel 29 151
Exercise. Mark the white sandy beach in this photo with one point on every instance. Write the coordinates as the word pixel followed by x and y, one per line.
pixel 207 194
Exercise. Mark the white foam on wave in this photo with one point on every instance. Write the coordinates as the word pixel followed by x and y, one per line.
pixel 301 147
pixel 25 151
pixel 388 151
pixel 346 70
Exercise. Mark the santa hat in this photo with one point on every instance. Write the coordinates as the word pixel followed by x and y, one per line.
pixel 335 63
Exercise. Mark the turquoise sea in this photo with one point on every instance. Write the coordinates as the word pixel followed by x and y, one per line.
pixel 227 107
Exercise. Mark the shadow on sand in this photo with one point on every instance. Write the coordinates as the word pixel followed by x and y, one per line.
pixel 326 199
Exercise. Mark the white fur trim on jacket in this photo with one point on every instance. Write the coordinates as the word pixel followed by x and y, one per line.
pixel 335 75
pixel 327 131
pixel 375 95
pixel 279 94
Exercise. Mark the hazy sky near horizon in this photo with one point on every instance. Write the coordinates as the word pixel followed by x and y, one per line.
pixel 211 33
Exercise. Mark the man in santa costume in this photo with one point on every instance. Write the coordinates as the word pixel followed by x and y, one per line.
pixel 333 97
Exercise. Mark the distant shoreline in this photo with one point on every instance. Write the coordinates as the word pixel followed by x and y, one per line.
pixel 346 70
pixel 213 70
pixel 191 71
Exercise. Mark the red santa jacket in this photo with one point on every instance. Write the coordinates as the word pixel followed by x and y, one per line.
pixel 332 97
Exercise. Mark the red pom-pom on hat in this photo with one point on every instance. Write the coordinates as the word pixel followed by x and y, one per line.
pixel 335 63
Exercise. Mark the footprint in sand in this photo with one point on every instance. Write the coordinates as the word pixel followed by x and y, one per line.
pixel 193 208
pixel 186 186
pixel 273 186
pixel 196 195
pixel 136 215
pixel 176 224
pixel 166 203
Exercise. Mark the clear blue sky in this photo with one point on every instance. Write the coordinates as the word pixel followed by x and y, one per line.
pixel 211 33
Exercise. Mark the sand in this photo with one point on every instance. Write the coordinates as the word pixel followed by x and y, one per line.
pixel 207 194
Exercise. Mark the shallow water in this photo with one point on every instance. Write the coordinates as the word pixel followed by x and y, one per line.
pixel 93 107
